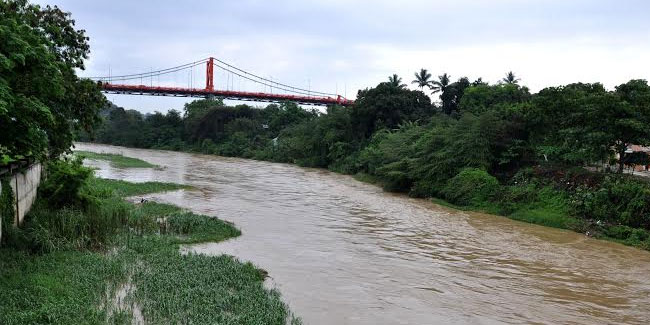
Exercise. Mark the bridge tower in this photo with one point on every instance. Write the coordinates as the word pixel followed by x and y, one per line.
pixel 209 75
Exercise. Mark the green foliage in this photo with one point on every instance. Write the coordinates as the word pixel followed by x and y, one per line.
pixel 68 283
pixel 616 200
pixel 56 288
pixel 539 205
pixel 472 187
pixel 49 230
pixel 64 182
pixel 104 188
pixel 386 106
pixel 422 79
pixel 42 102
pixel 394 137
pixel 196 229
pixel 116 160
pixel 599 124
pixel 7 210
pixel 172 288
pixel 481 98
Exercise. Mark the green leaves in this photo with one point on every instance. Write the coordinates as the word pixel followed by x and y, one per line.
pixel 42 102
pixel 586 123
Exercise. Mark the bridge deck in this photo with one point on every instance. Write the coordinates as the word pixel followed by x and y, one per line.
pixel 226 94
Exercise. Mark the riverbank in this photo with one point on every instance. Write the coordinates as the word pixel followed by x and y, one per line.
pixel 538 201
pixel 342 251
pixel 547 196
pixel 118 262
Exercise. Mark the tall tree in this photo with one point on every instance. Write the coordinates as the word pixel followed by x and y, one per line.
pixel 441 84
pixel 396 81
pixel 385 107
pixel 479 82
pixel 510 78
pixel 585 123
pixel 422 79
pixel 42 101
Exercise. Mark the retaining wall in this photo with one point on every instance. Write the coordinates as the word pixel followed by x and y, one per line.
pixel 24 184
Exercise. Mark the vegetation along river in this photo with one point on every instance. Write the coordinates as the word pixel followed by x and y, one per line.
pixel 344 252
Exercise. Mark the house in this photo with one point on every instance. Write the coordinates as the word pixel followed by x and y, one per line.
pixel 639 157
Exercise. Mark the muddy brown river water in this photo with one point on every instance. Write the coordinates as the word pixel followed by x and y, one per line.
pixel 344 252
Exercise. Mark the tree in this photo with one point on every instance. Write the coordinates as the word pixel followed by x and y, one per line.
pixel 422 79
pixel 479 82
pixel 585 123
pixel 386 106
pixel 194 111
pixel 441 84
pixel 510 78
pixel 481 98
pixel 630 125
pixel 42 101
pixel 396 81
pixel 450 93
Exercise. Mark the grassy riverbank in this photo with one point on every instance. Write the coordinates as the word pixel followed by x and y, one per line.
pixel 495 148
pixel 114 261
pixel 548 209
pixel 539 199
pixel 116 160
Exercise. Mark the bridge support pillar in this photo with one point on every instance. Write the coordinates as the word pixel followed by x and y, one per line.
pixel 209 75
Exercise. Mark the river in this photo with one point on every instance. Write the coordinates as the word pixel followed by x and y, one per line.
pixel 345 252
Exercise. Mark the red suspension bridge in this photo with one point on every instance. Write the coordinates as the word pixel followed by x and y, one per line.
pixel 119 85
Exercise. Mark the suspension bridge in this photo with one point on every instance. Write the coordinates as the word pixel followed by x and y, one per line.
pixel 124 84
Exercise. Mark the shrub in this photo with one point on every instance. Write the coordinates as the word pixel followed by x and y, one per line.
pixel 7 211
pixel 48 229
pixel 471 187
pixel 64 182
pixel 195 228
pixel 617 200
pixel 394 176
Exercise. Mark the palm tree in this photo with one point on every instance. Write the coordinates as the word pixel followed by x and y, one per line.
pixel 510 78
pixel 395 81
pixel 441 84
pixel 422 79
pixel 479 82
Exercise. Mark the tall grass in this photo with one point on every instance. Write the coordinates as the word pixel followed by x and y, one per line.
pixel 116 160
pixel 78 257
pixel 110 187
pixel 66 287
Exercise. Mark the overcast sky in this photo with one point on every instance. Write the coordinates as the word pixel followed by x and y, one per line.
pixel 337 45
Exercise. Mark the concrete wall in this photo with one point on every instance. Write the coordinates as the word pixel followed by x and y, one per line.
pixel 24 185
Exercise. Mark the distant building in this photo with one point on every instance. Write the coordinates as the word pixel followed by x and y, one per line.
pixel 638 150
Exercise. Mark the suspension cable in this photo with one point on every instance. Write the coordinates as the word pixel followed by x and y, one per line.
pixel 229 68
pixel 274 82
pixel 306 92
pixel 152 73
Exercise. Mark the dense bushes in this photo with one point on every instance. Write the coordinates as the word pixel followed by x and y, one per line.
pixel 64 182
pixel 7 211
pixel 74 210
pixel 471 187
pixel 617 200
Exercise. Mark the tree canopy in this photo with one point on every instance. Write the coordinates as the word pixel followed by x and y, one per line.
pixel 42 101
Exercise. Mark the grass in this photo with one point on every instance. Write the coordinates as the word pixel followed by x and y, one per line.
pixel 174 288
pixel 73 262
pixel 116 160
pixel 55 288
pixel 367 178
pixel 119 188
pixel 546 207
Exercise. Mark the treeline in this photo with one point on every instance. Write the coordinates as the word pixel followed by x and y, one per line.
pixel 496 147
